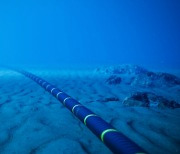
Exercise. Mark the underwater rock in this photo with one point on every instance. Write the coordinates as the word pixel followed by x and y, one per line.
pixel 110 99
pixel 113 80
pixel 138 76
pixel 147 99
pixel 169 78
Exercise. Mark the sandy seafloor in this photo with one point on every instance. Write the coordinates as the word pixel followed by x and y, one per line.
pixel 33 121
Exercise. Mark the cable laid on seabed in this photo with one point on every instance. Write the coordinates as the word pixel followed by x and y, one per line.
pixel 113 139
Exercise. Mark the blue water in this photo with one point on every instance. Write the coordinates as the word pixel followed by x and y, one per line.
pixel 69 33
pixel 107 54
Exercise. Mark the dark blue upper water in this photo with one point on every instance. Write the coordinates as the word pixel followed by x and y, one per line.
pixel 68 33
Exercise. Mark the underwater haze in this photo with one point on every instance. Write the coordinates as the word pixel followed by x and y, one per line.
pixel 97 32
pixel 89 76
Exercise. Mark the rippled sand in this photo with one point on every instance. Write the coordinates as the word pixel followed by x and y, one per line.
pixel 33 121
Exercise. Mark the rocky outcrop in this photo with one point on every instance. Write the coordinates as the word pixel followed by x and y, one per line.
pixel 113 80
pixel 138 76
pixel 146 99
pixel 110 99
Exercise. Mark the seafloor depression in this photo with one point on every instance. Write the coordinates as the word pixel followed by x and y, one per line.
pixel 142 104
